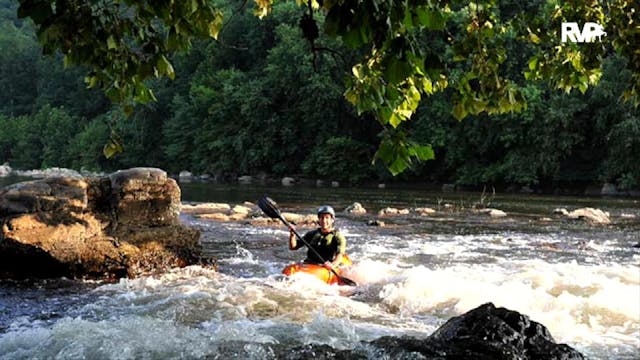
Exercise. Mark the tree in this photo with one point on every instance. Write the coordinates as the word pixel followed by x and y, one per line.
pixel 409 49
pixel 18 54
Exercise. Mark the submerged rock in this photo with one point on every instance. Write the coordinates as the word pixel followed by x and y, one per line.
pixel 123 224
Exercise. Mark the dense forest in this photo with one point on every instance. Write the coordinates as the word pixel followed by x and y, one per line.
pixel 258 101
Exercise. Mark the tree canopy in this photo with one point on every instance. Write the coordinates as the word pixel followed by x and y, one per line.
pixel 407 50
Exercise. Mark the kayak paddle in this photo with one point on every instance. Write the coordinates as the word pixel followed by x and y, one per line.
pixel 270 208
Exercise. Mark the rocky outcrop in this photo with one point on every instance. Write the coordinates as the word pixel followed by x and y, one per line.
pixel 484 333
pixel 356 209
pixel 288 181
pixel 591 215
pixel 123 224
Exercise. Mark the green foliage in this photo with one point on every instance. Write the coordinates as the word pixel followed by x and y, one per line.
pixel 56 130
pixel 86 146
pixel 26 134
pixel 617 125
pixel 409 51
pixel 60 87
pixel 6 138
pixel 398 152
pixel 262 118
pixel 124 43
pixel 18 60
pixel 263 99
pixel 340 158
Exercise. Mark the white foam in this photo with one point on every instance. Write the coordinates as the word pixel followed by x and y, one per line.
pixel 578 303
pixel 125 338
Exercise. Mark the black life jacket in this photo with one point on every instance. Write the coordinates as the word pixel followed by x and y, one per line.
pixel 327 245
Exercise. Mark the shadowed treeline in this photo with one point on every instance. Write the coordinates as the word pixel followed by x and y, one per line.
pixel 255 102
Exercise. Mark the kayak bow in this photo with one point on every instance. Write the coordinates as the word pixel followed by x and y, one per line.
pixel 319 271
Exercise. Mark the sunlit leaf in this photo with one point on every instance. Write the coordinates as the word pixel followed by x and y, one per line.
pixel 111 43
pixel 459 111
pixel 423 152
pixel 216 25
pixel 165 67
pixel 112 148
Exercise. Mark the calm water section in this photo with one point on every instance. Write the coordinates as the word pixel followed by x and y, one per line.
pixel 400 196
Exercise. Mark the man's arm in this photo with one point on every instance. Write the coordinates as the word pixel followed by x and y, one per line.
pixel 293 241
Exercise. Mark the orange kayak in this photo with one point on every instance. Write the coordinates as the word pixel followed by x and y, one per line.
pixel 318 271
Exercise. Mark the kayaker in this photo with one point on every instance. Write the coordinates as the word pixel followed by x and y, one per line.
pixel 326 240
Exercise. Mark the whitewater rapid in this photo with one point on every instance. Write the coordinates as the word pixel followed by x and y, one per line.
pixel 583 285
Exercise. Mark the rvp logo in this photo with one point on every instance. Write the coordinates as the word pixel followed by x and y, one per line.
pixel 590 31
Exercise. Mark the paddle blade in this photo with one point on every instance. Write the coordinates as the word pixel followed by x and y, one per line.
pixel 269 207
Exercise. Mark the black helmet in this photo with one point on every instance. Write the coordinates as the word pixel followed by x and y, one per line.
pixel 326 209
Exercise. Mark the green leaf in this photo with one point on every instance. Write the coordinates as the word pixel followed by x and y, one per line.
pixel 384 153
pixel 111 43
pixel 433 65
pixel 353 38
pixel 422 152
pixel 397 153
pixel 432 19
pixel 427 86
pixel 534 38
pixel 398 166
pixel 91 81
pixel 397 71
pixel 173 40
pixel 112 148
pixel 331 21
pixel 216 25
pixel 114 94
pixel 395 119
pixel 459 111
pixel 165 67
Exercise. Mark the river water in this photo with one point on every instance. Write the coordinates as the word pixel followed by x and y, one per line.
pixel 581 281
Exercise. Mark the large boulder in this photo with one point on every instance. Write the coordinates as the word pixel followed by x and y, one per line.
pixel 487 332
pixel 123 224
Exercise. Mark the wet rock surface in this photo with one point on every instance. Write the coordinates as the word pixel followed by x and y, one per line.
pixel 123 224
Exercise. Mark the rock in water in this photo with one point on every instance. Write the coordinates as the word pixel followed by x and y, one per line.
pixel 486 332
pixel 124 224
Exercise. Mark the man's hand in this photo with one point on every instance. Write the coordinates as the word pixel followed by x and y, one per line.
pixel 293 244
pixel 328 265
